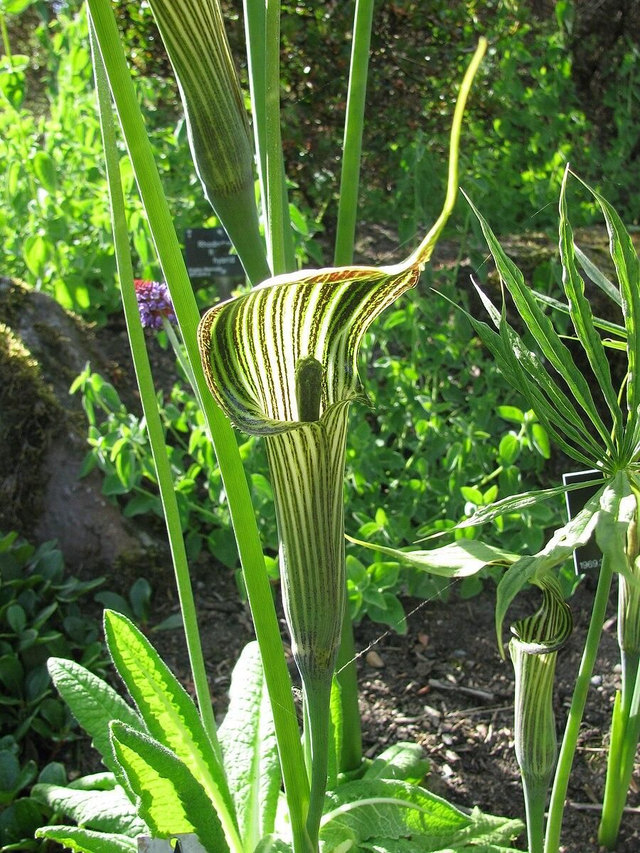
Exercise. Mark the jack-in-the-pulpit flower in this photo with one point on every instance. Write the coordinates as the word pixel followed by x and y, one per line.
pixel 533 651
pixel 154 303
pixel 281 361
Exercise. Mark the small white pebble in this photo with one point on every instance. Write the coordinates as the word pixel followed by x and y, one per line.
pixel 596 680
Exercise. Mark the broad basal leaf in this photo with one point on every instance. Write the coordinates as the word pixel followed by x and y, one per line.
pixel 169 799
pixel 169 713
pixel 405 762
pixel 94 704
pixel 362 810
pixel 248 741
pixel 104 811
pixel 88 841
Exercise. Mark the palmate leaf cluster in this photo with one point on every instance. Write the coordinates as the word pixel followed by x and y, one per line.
pixel 164 779
pixel 592 421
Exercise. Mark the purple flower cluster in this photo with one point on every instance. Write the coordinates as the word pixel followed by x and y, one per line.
pixel 154 303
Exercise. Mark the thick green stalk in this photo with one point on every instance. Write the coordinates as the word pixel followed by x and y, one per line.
pixel 279 225
pixel 354 124
pixel 351 757
pixel 578 701
pixel 222 435
pixel 317 704
pixel 625 731
pixel 535 800
pixel 156 436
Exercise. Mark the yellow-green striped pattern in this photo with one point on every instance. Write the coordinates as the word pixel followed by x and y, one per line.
pixel 194 35
pixel 533 652
pixel 250 345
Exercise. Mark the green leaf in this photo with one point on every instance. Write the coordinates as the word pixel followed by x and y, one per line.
pixel 618 510
pixel 14 7
pixel 87 841
pixel 247 738
pixel 362 810
pixel 508 449
pixel 562 544
pixel 169 799
pixel 104 811
pixel 45 171
pixel 511 413
pixel 581 316
pixel 36 253
pixel 168 712
pixel 627 264
pixel 542 330
pixel 402 761
pixel 598 277
pixel 94 704
pixel 457 560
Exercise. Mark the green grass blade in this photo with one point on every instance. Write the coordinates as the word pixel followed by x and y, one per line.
pixel 542 330
pixel 582 317
pixel 148 397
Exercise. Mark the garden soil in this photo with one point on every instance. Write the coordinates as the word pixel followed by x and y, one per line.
pixel 444 686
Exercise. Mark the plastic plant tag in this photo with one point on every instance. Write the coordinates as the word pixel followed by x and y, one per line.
pixel 208 255
pixel 588 557
pixel 183 843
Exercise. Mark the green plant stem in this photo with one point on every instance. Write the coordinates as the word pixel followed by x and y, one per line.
pixel 353 128
pixel 317 701
pixel 535 800
pixel 578 701
pixel 220 431
pixel 156 436
pixel 625 732
pixel 5 38
pixel 351 757
pixel 176 346
pixel 279 225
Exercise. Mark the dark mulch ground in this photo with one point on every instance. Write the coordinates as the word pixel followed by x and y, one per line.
pixel 444 686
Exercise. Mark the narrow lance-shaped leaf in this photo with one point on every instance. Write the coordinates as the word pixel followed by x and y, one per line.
pixel 169 713
pixel 458 560
pixel 627 264
pixel 542 330
pixel 581 314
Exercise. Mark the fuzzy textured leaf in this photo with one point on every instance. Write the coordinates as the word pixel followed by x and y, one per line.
pixel 169 799
pixel 86 840
pixel 105 811
pixel 248 741
pixel 94 704
pixel 168 711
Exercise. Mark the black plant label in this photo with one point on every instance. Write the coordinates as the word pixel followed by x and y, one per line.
pixel 588 558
